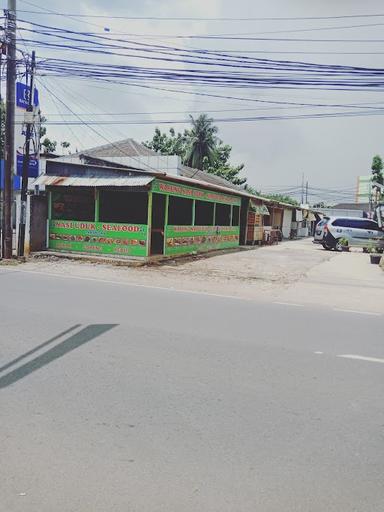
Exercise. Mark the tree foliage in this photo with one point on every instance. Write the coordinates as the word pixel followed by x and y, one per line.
pixel 172 144
pixel 48 145
pixel 377 169
pixel 199 148
pixel 274 197
pixel 221 167
pixel 202 142
pixel 282 198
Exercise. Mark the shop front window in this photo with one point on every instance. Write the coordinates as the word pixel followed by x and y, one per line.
pixel 204 213
pixel 180 211
pixel 123 207
pixel 223 215
pixel 76 204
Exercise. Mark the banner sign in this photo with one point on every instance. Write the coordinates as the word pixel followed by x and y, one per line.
pixel 175 189
pixel 187 239
pixel 98 237
pixel 22 96
pixel 22 101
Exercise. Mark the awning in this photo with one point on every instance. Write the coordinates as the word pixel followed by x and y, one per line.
pixel 259 209
pixel 75 181
pixel 262 210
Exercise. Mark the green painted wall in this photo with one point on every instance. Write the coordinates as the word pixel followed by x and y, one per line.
pixel 134 239
pixel 187 239
pixel 175 189
pixel 98 237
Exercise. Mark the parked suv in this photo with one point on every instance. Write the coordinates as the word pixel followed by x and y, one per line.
pixel 358 231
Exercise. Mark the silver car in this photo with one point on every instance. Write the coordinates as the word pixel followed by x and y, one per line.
pixel 357 231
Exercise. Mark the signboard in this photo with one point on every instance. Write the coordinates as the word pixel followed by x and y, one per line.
pixel 176 189
pixel 16 179
pixel 22 101
pixel 98 237
pixel 187 239
pixel 22 96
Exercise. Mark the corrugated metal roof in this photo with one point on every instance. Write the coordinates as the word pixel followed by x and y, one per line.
pixel 126 147
pixel 64 181
pixel 189 172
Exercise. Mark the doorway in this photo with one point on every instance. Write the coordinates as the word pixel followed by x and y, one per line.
pixel 158 223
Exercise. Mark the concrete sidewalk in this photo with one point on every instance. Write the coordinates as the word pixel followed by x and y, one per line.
pixel 346 281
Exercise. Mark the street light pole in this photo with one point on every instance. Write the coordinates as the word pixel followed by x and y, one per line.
pixel 9 150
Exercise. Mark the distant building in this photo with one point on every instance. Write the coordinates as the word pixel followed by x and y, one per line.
pixel 364 189
pixel 347 210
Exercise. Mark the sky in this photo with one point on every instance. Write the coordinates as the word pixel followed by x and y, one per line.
pixel 330 152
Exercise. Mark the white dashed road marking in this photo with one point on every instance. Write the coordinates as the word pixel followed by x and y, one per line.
pixel 289 304
pixel 362 358
pixel 371 313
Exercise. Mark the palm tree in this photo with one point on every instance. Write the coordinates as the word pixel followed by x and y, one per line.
pixel 202 141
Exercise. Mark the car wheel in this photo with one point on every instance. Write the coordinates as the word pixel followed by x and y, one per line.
pixel 338 246
pixel 327 247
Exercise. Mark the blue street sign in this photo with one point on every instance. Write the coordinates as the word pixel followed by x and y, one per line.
pixel 22 95
pixel 16 179
pixel 33 167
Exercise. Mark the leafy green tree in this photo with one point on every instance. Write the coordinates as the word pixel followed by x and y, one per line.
pixel 65 144
pixel 48 145
pixel 199 148
pixel 169 144
pixel 377 169
pixel 221 166
pixel 202 142
pixel 283 198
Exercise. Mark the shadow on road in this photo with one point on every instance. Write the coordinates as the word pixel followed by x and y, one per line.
pixel 30 352
pixel 76 340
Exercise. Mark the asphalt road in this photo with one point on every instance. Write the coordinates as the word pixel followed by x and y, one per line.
pixel 123 398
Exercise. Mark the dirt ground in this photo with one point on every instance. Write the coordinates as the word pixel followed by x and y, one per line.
pixel 246 274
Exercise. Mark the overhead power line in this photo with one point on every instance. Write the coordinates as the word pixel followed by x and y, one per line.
pixel 197 18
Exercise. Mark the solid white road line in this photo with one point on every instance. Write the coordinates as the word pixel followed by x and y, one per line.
pixel 371 313
pixel 318 352
pixel 362 358
pixel 133 285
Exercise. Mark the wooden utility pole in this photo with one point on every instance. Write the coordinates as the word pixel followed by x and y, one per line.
pixel 29 120
pixel 9 150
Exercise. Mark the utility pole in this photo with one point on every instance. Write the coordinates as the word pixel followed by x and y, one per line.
pixel 306 193
pixel 9 150
pixel 29 120
pixel 2 156
pixel 302 189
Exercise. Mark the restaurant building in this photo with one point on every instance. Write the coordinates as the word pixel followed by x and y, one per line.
pixel 125 212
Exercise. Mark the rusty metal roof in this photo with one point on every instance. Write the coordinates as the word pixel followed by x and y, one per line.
pixel 64 181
